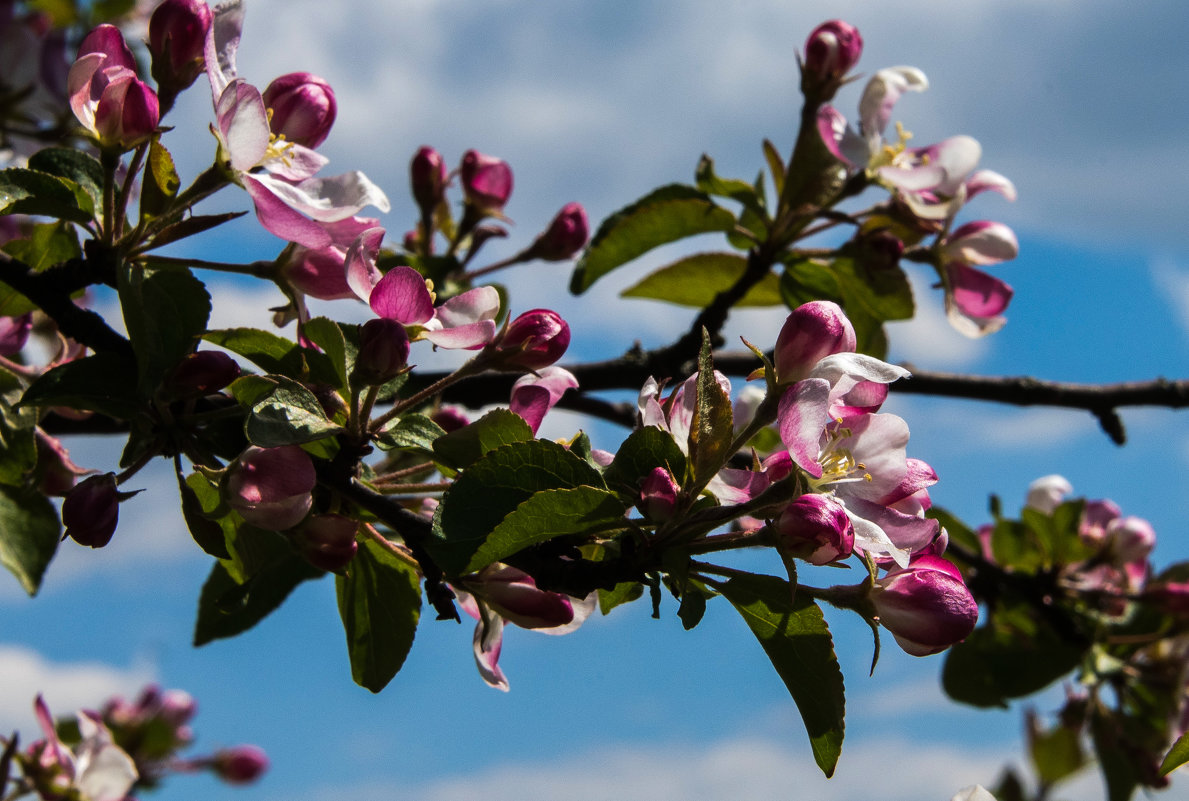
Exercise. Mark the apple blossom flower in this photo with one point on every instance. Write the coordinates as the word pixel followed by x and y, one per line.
pixel 177 43
pixel 658 495
pixel 1046 493
pixel 816 528
pixel 500 593
pixel 241 764
pixel 107 97
pixel 427 176
pixel 974 300
pixel 832 50
pixel 926 605
pixel 811 332
pixel 270 487
pixel 91 510
pixel 465 321
pixel 566 235
pixel 383 351
pixel 534 394
pixel 301 108
pixel 97 769
pixel 327 541
pixel 535 339
pixel 279 175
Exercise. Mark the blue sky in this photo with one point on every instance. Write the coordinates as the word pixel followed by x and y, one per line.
pixel 1082 104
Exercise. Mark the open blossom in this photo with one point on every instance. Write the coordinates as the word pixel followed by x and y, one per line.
pixel 974 300
pixel 97 769
pixel 534 394
pixel 279 175
pixel 500 593
pixel 465 321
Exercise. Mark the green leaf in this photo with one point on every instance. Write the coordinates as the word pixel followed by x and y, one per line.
pixel 696 280
pixel 462 447
pixel 25 191
pixel 206 532
pixel 1016 654
pixel 160 182
pixel 327 335
pixel 414 432
pixel 1115 761
pixel 489 489
pixel 73 165
pixel 275 354
pixel 622 593
pixel 711 431
pixel 227 608
pixel 1177 755
pixel 29 532
pixel 883 292
pixel 289 415
pixel 194 224
pixel 795 636
pixel 165 312
pixel 670 213
pixel 959 532
pixel 775 165
pixel 380 605
pixel 741 191
pixel 47 244
pixel 18 443
pixel 1056 753
pixel 104 383
pixel 545 515
pixel 643 451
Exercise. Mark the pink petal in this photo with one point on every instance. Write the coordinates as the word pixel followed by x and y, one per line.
pixel 278 218
pixel 401 294
pixel 801 418
pixel 988 180
pixel 329 199
pixel 465 337
pixel 474 305
pixel 222 44
pixel 296 163
pixel 488 642
pixel 360 260
pixel 882 92
pixel 975 293
pixel 243 125
pixel 982 242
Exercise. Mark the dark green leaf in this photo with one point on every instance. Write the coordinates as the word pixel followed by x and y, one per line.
pixel 194 224
pixel 73 165
pixel 275 354
pixel 412 432
pixel 1115 761
pixel 492 487
pixel 327 335
pixel 545 515
pixel 711 431
pixel 775 165
pixel 25 191
pixel 461 447
pixel 643 451
pixel 105 383
pixel 290 415
pixel 1056 753
pixel 18 446
pixel 670 213
pixel 165 312
pixel 693 607
pixel 29 532
pixel 380 604
pixel 1013 655
pixel 882 291
pixel 741 191
pixel 696 280
pixel 796 638
pixel 206 532
pixel 227 608
pixel 47 244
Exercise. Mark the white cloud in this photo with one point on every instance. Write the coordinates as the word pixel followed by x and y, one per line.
pixel 1172 279
pixel 66 686
pixel 743 768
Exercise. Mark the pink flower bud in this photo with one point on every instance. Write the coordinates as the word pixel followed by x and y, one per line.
pixel 327 541
pixel 535 339
pixel 202 373
pixel 658 495
pixel 427 175
pixel 383 351
pixel 1096 517
pixel 14 333
pixel 107 40
pixel 91 510
pixel 1131 539
pixel 303 108
pixel 513 594
pixel 565 236
pixel 486 181
pixel 811 332
pixel 450 418
pixel 177 708
pixel 270 487
pixel 177 38
pixel 926 605
pixel 815 528
pixel 242 764
pixel 831 51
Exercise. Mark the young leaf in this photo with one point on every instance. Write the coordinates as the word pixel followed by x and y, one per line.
pixel 1177 755
pixel 73 165
pixel 737 190
pixel 327 335
pixel 18 443
pixel 275 354
pixel 622 593
pixel 206 532
pixel 462 447
pixel 711 431
pixel 47 244
pixel 290 415
pixel 696 280
pixel 414 432
pixel 670 213
pixel 29 532
pixel 380 605
pixel 795 636
pixel 161 180
pixel 644 450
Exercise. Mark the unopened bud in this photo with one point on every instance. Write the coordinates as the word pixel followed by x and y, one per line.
pixel 270 487
pixel 565 236
pixel 242 764
pixel 177 38
pixel 383 351
pixel 91 510
pixel 816 528
pixel 303 108
pixel 486 181
pixel 201 373
pixel 327 541
pixel 658 495
pixel 811 332
pixel 535 339
pixel 926 605
pixel 427 175
pixel 831 51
